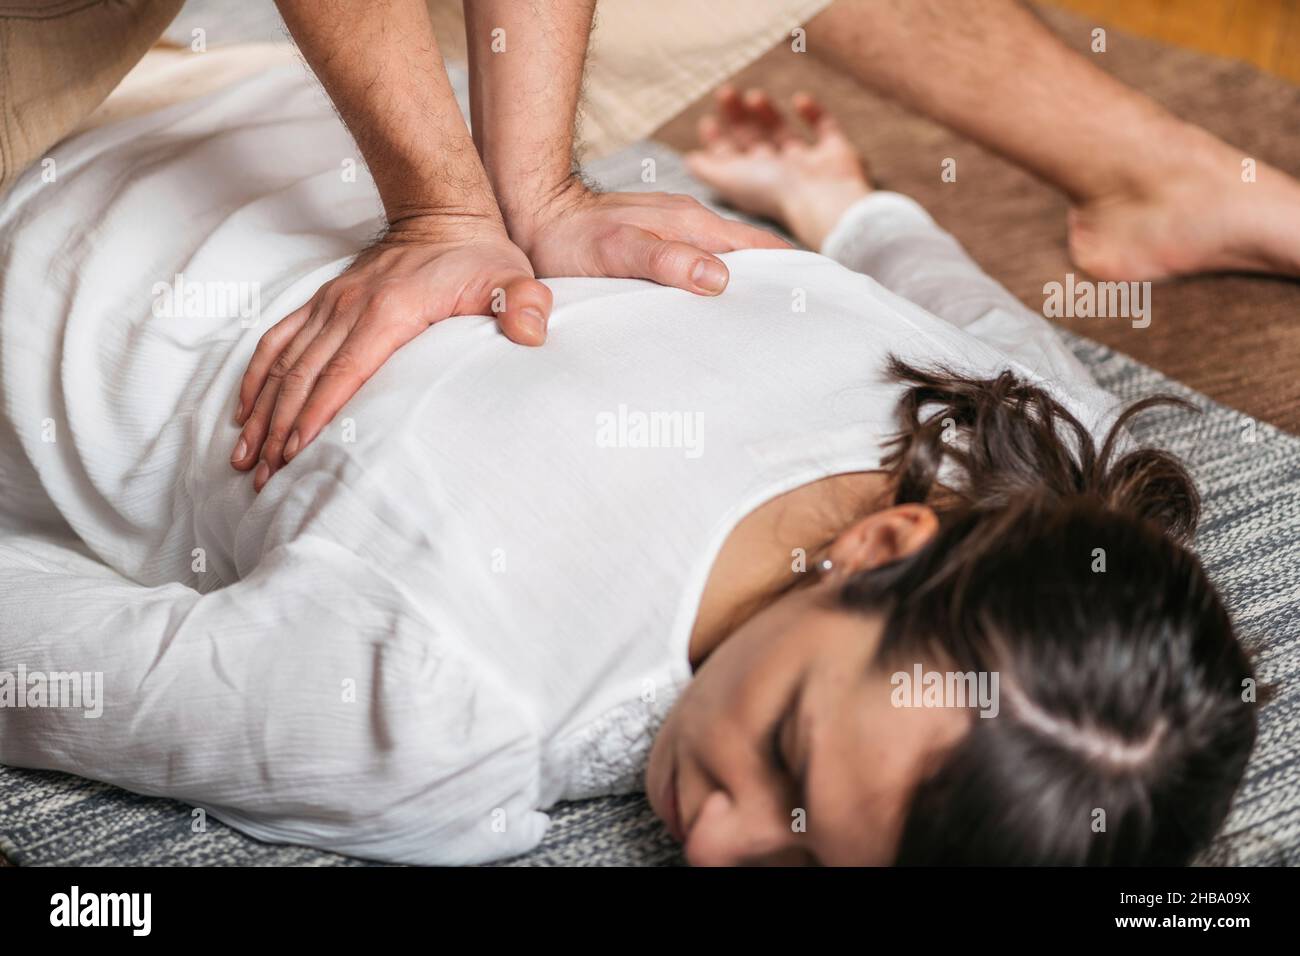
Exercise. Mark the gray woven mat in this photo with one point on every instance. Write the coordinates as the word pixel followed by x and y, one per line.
pixel 1248 472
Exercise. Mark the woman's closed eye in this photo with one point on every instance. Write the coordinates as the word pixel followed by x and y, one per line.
pixel 779 762
pixel 783 757
pixel 784 761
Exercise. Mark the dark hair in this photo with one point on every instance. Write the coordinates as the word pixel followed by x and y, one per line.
pixel 1122 690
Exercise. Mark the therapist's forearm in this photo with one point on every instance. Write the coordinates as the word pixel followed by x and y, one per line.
pixel 526 59
pixel 381 66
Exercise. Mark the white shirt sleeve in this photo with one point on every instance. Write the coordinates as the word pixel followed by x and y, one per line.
pixel 891 238
pixel 307 703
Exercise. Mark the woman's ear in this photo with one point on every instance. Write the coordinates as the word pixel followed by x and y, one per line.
pixel 882 537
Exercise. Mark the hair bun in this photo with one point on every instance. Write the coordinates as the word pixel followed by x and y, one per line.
pixel 1148 482
pixel 1018 441
pixel 1152 484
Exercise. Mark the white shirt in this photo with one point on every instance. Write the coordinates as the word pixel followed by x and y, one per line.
pixel 472 595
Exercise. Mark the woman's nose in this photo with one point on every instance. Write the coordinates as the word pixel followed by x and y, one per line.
pixel 729 833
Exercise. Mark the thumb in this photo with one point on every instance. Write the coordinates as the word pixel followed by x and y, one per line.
pixel 642 255
pixel 525 309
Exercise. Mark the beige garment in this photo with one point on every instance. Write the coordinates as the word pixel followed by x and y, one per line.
pixel 59 60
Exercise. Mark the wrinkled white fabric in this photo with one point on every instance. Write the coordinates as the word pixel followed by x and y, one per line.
pixel 472 595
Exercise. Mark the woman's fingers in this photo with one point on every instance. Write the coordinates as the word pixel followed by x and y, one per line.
pixel 730 104
pixel 737 124
pixel 812 113
pixel 764 114
pixel 711 137
pixel 745 121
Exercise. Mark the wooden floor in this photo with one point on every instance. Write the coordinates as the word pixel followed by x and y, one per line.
pixel 1265 33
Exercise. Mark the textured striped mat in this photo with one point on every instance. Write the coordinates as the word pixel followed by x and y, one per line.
pixel 1248 472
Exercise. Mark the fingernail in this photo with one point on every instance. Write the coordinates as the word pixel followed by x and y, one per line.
pixel 709 275
pixel 239 413
pixel 535 321
pixel 262 474
pixel 240 450
pixel 291 446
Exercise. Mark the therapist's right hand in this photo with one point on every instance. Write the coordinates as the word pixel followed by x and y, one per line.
pixel 423 270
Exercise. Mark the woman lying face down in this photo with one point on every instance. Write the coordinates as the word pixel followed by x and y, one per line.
pixel 1048 571
pixel 787 576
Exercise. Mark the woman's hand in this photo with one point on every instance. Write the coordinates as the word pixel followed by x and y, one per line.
pixel 803 175
pixel 423 270
pixel 664 237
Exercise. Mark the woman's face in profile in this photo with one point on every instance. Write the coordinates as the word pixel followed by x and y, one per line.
pixel 786 749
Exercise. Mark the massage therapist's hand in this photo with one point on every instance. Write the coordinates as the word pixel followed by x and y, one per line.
pixel 423 270
pixel 523 105
pixel 664 237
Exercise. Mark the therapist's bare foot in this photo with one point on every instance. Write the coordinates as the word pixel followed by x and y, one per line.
pixel 803 176
pixel 1207 211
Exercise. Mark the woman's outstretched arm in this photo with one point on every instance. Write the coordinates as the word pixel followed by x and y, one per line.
pixel 812 180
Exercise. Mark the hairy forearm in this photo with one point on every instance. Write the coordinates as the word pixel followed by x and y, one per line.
pixel 379 61
pixel 526 59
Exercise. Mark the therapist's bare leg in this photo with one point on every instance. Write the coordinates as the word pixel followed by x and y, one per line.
pixel 1153 196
